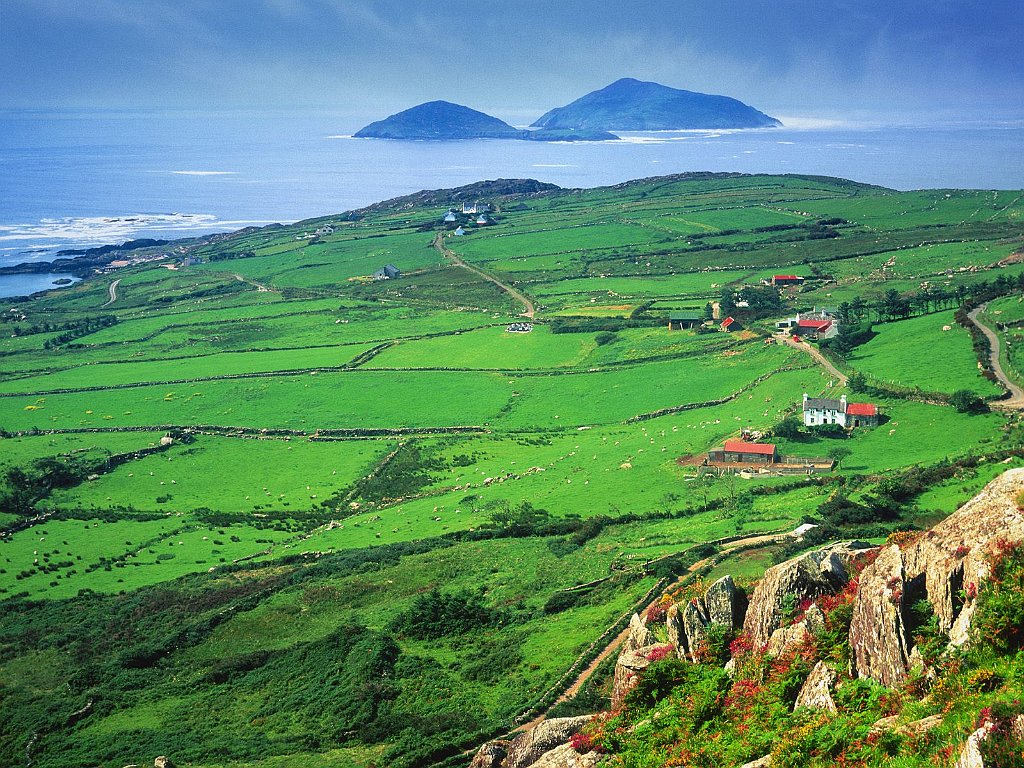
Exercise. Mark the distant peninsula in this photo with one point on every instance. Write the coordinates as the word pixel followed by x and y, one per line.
pixel 444 121
pixel 635 105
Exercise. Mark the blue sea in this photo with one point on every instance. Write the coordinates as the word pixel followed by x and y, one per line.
pixel 82 179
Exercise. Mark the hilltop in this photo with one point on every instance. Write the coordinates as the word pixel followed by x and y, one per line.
pixel 444 121
pixel 635 105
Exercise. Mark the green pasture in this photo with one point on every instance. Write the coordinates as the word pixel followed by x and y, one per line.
pixel 919 353
pixel 218 473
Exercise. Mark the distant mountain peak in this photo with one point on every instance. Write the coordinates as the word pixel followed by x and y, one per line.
pixel 629 104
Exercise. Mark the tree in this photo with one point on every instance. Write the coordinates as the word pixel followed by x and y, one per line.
pixel 838 453
pixel 727 304
pixel 966 401
pixel 709 312
pixel 788 428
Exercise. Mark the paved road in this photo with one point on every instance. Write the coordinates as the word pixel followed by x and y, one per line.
pixel 112 290
pixel 458 261
pixel 1016 400
pixel 841 377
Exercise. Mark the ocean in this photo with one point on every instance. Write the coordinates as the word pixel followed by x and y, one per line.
pixel 83 179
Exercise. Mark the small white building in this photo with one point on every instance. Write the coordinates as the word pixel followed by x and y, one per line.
pixel 823 410
pixel 460 231
pixel 449 217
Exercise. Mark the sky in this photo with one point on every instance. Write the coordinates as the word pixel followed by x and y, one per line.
pixel 885 60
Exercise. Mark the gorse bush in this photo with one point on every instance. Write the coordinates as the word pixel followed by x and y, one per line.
pixel 437 614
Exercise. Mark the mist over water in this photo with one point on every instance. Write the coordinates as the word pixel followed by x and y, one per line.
pixel 77 180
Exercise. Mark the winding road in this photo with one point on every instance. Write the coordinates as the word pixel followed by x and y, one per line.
pixel 112 290
pixel 1016 399
pixel 458 261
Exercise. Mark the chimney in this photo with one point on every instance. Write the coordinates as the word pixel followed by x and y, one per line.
pixel 842 402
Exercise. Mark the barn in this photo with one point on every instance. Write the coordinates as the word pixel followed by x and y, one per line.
pixel 741 452
pixel 677 321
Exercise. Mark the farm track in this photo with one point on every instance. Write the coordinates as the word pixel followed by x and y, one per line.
pixel 1016 399
pixel 458 261
pixel 819 358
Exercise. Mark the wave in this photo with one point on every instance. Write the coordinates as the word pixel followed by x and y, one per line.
pixel 205 173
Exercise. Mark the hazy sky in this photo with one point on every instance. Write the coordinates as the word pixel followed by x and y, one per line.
pixel 826 58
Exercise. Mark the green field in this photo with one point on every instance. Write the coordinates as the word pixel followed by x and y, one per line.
pixel 340 447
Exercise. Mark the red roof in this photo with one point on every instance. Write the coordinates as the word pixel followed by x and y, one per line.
pixel 818 325
pixel 861 409
pixel 786 277
pixel 728 321
pixel 738 446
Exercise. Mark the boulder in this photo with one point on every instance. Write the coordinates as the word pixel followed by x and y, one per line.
pixel 676 633
pixel 761 762
pixel 787 638
pixel 822 572
pixel 878 633
pixel 639 635
pixel 724 603
pixel 940 566
pixel 163 762
pixel 567 757
pixel 490 755
pixel 816 692
pixel 915 728
pixel 628 667
pixel 970 756
pixel 695 622
pixel 528 747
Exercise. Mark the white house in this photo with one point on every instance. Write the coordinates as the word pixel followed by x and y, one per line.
pixel 449 217
pixel 822 410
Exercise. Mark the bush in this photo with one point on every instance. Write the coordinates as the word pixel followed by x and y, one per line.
pixel 439 614
pixel 966 401
pixel 605 337
pixel 999 621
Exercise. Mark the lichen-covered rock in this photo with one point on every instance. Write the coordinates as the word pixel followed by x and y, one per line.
pixel 816 692
pixel 822 572
pixel 567 757
pixel 787 638
pixel 724 604
pixel 529 746
pixel 761 762
pixel 163 762
pixel 941 566
pixel 915 728
pixel 628 667
pixel 490 755
pixel 695 622
pixel 970 756
pixel 878 633
pixel 676 633
pixel 639 635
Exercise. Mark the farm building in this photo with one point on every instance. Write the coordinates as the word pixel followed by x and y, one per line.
pixel 740 452
pixel 815 329
pixel 460 232
pixel 730 324
pixel 449 218
pixel 780 280
pixel 684 319
pixel 822 410
pixel 387 272
pixel 482 219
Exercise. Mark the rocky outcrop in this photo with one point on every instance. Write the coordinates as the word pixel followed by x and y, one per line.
pixel 816 692
pixel 490 755
pixel 761 762
pixel 942 566
pixel 724 603
pixel 535 746
pixel 567 757
pixel 628 667
pixel 527 748
pixel 880 650
pixel 822 572
pixel 688 624
pixel 163 762
pixel 970 756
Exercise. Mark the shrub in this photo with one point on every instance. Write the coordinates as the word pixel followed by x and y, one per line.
pixel 438 614
pixel 999 620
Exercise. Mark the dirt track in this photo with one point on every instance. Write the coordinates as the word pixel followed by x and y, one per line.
pixel 458 261
pixel 1016 400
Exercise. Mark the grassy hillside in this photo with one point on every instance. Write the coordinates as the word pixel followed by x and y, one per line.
pixel 379 479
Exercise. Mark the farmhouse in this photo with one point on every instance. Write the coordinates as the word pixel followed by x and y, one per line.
pixel 482 219
pixel 730 324
pixel 460 232
pixel 684 319
pixel 449 218
pixel 387 272
pixel 821 410
pixel 740 452
pixel 815 329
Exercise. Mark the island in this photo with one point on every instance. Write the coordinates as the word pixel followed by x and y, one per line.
pixel 444 121
pixel 635 105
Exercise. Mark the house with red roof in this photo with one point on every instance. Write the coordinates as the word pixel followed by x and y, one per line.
pixel 822 410
pixel 730 324
pixel 815 329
